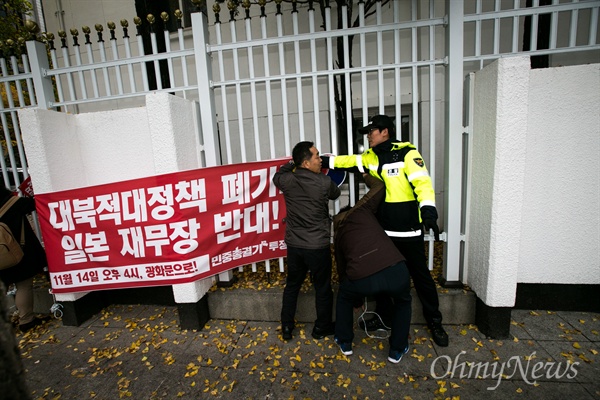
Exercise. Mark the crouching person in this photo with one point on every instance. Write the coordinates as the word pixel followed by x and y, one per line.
pixel 368 264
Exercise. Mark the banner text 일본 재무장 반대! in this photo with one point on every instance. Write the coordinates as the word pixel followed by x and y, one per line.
pixel 162 230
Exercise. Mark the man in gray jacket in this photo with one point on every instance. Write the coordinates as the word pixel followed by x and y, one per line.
pixel 307 235
pixel 369 264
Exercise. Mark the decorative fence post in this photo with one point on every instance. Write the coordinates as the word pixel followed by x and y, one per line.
pixel 208 114
pixel 38 58
pixel 454 143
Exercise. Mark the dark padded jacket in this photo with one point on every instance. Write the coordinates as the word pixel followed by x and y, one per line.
pixel 362 247
pixel 307 195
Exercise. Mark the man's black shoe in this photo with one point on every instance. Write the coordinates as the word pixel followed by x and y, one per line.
pixel 320 333
pixel 286 333
pixel 35 322
pixel 373 324
pixel 439 335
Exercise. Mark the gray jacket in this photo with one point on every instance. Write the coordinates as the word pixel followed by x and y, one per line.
pixel 307 195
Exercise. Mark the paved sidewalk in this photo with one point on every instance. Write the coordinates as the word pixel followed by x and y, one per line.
pixel 139 352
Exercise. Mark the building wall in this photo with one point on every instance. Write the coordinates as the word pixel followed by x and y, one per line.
pixel 535 206
pixel 68 14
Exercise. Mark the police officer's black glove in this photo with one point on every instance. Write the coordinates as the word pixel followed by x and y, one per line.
pixel 429 217
pixel 431 224
pixel 325 162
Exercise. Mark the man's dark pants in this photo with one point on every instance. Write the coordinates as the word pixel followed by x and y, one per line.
pixel 299 262
pixel 414 252
pixel 393 282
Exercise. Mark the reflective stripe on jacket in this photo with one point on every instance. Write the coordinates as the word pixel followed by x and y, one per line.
pixel 408 184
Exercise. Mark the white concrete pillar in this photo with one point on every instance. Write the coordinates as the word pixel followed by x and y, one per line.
pixel 497 178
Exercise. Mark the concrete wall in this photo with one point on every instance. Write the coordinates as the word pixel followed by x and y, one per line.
pixel 560 236
pixel 68 151
pixel 535 209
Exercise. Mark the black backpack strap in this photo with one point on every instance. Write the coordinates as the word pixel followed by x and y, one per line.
pixel 9 203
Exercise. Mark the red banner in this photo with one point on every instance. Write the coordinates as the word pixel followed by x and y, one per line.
pixel 162 230
pixel 26 187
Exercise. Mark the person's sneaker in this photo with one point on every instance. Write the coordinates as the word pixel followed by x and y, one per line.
pixel 394 356
pixel 374 324
pixel 320 333
pixel 345 348
pixel 286 332
pixel 439 335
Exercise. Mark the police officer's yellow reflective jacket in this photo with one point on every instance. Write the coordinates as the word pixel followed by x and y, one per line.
pixel 408 185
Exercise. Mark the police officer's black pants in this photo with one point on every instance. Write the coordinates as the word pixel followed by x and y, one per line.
pixel 414 252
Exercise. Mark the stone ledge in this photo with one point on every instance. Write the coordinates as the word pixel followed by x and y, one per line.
pixel 457 305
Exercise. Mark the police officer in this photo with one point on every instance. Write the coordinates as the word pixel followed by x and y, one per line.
pixel 409 206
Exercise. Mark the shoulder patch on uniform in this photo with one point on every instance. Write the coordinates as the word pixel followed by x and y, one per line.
pixel 419 162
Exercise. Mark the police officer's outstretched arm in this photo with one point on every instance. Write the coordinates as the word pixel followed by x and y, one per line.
pixel 419 178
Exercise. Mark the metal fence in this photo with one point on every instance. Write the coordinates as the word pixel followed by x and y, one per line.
pixel 270 77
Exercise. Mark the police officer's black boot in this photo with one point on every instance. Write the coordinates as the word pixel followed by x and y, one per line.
pixel 439 335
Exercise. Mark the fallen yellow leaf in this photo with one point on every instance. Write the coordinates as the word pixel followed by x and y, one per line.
pixel 584 358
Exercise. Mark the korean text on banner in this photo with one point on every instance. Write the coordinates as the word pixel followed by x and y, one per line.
pixel 162 230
